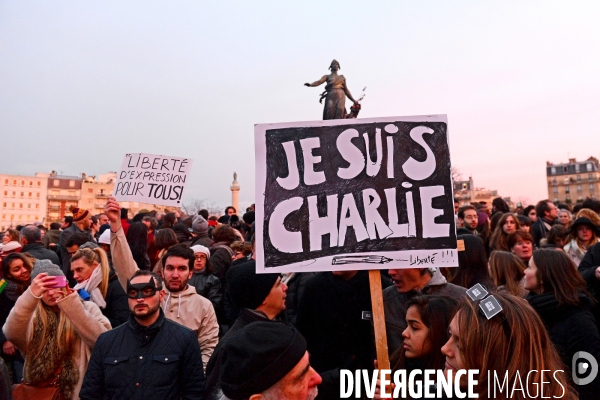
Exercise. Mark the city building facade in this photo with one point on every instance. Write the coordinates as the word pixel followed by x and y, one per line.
pixel 574 181
pixel 23 199
pixel 466 193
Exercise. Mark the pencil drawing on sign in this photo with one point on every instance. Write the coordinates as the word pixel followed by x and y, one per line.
pixel 354 192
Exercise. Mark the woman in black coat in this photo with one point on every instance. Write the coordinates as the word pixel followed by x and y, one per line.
pixel 206 283
pixel 558 294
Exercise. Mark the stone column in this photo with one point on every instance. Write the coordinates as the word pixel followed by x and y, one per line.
pixel 235 192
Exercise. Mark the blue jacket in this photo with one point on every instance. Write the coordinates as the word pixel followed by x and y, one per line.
pixel 162 361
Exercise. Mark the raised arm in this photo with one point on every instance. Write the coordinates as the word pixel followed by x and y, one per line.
pixel 317 83
pixel 123 261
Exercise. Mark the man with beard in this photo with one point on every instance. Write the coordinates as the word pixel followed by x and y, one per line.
pixel 148 357
pixel 265 361
pixel 467 220
pixel 181 304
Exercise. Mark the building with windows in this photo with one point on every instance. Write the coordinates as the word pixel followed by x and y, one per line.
pixel 95 191
pixel 63 192
pixel 22 199
pixel 466 193
pixel 45 198
pixel 574 181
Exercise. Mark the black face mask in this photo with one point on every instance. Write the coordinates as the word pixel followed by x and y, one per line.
pixel 142 290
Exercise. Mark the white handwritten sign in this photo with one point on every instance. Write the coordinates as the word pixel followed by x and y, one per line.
pixel 152 179
pixel 354 194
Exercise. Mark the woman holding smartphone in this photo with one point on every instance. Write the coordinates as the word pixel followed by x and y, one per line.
pixel 55 330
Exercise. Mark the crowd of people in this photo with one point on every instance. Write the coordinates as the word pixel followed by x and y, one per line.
pixel 169 306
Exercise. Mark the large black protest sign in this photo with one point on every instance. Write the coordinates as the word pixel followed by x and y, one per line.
pixel 354 194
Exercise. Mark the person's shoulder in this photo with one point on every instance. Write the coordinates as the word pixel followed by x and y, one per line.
pixel 390 293
pixel 174 328
pixel 113 334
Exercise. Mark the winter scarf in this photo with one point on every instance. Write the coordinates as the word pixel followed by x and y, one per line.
pixel 44 366
pixel 91 285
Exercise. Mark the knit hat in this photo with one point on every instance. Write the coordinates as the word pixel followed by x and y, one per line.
pixel 198 248
pixel 223 219
pixel 247 288
pixel 104 237
pixel 258 356
pixel 90 245
pixel 47 267
pixel 199 225
pixel 79 214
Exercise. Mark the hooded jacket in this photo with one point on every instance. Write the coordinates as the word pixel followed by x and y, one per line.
pixel 394 305
pixel 185 307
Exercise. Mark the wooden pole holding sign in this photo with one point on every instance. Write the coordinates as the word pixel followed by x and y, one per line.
pixel 381 344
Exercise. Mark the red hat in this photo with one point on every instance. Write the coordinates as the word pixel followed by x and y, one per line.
pixel 79 214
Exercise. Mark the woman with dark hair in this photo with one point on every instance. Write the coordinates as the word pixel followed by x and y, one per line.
pixel 558 294
pixel 583 235
pixel 557 237
pixel 513 342
pixel 137 238
pixel 507 224
pixel 472 264
pixel 16 269
pixel 507 272
pixel 499 205
pixel 525 223
pixel 530 212
pixel 427 321
pixel 220 252
pixel 520 244
pixel 163 240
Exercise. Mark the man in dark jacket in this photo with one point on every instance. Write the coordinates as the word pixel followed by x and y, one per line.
pixel 52 237
pixel 82 220
pixel 334 317
pixel 150 357
pixel 31 239
pixel 547 213
pixel 409 283
pixel 261 297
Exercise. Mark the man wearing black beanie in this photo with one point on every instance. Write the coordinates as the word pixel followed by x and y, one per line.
pixel 261 297
pixel 267 361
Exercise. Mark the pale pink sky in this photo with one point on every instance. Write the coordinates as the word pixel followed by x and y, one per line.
pixel 82 83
